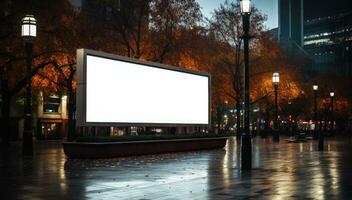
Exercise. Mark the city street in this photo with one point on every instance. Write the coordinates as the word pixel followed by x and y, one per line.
pixel 113 80
pixel 280 171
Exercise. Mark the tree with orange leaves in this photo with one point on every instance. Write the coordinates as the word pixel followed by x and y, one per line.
pixel 267 58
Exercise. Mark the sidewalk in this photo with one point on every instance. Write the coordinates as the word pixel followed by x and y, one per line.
pixel 281 171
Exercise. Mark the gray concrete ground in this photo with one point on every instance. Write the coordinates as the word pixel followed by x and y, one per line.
pixel 281 171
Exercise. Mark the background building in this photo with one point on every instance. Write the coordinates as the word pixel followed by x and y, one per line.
pixel 291 24
pixel 321 29
pixel 51 116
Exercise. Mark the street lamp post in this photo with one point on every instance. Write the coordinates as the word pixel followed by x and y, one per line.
pixel 332 94
pixel 28 33
pixel 315 89
pixel 246 146
pixel 276 80
pixel 321 135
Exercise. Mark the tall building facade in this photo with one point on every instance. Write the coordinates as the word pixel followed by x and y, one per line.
pixel 291 24
pixel 321 29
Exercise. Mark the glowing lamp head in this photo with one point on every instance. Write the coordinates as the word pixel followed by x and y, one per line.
pixel 276 78
pixel 29 27
pixel 245 6
pixel 315 87
pixel 332 93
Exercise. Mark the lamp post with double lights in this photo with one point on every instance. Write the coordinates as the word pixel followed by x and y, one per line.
pixel 246 145
pixel 28 33
pixel 276 80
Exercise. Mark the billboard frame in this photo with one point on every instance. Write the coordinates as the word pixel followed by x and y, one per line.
pixel 81 89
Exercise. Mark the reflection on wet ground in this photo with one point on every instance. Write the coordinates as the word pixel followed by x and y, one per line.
pixel 281 171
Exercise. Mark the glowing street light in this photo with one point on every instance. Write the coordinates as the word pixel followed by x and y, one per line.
pixel 332 94
pixel 29 27
pixel 276 78
pixel 315 87
pixel 245 6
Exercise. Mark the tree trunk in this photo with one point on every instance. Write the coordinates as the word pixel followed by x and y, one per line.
pixel 5 125
pixel 267 119
pixel 5 113
pixel 218 119
pixel 71 112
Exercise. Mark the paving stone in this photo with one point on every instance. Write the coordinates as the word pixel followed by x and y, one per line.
pixel 280 171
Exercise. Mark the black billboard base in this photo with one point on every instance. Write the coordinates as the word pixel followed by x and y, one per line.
pixel 133 148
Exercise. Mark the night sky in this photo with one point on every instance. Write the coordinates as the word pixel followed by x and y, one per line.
pixel 268 7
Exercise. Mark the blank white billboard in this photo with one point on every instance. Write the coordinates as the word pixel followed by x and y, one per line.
pixel 128 92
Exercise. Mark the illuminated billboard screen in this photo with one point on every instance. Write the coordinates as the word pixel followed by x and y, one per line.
pixel 114 90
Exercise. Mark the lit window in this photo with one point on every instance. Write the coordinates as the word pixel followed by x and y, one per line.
pixel 318 41
pixel 51 104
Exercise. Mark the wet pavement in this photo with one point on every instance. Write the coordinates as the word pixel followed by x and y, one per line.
pixel 281 171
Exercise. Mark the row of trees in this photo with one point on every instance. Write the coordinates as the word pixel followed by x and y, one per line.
pixel 167 31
